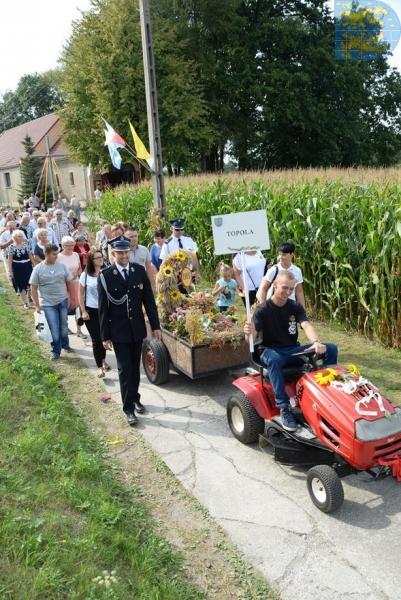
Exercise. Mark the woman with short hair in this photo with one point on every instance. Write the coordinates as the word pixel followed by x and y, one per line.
pixel 82 248
pixel 20 264
pixel 72 219
pixel 80 231
pixel 71 260
pixel 88 302
pixel 39 248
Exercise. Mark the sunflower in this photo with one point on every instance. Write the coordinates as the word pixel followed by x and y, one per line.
pixel 326 376
pixel 160 298
pixel 175 295
pixel 167 271
pixel 353 369
pixel 181 256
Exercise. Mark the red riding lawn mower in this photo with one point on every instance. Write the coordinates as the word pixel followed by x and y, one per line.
pixel 345 425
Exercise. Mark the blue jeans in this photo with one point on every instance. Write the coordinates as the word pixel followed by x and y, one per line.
pixel 276 358
pixel 58 324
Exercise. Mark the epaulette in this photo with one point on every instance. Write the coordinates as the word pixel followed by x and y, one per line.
pixel 168 240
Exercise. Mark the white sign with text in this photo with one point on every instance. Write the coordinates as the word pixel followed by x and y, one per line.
pixel 240 231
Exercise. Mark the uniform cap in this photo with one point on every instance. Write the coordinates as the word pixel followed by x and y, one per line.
pixel 178 223
pixel 121 244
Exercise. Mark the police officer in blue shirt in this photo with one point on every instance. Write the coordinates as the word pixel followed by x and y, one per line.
pixel 123 289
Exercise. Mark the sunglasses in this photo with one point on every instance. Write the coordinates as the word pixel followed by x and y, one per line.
pixel 178 229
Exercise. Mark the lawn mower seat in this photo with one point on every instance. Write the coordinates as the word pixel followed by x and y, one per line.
pixel 298 367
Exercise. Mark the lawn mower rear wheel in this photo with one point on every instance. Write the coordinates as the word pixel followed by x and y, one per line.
pixel 244 421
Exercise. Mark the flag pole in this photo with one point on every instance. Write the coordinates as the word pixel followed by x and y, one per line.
pixel 152 108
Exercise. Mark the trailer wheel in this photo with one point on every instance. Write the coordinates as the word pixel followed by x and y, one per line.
pixel 325 488
pixel 244 421
pixel 155 360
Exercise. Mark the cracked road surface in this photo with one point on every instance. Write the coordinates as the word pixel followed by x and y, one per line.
pixel 265 507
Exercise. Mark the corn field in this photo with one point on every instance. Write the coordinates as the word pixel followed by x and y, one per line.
pixel 346 226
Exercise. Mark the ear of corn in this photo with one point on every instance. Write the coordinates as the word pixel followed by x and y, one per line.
pixel 347 235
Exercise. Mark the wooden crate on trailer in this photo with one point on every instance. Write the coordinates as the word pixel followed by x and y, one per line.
pixel 201 360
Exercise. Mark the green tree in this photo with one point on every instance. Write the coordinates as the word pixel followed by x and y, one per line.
pixel 102 76
pixel 36 95
pixel 29 169
pixel 314 110
pixel 253 79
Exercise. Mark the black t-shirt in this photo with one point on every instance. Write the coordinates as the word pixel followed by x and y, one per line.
pixel 278 324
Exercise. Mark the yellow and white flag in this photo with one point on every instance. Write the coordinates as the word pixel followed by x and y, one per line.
pixel 140 149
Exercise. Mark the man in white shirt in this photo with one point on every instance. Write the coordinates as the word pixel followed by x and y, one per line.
pixel 139 254
pixel 103 234
pixel 34 220
pixel 60 226
pixel 97 193
pixel 179 241
pixel 76 207
pixel 284 263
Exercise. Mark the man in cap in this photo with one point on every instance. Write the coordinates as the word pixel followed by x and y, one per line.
pixel 179 241
pixel 123 288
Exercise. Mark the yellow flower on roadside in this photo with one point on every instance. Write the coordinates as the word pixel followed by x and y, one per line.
pixel 326 376
pixel 167 271
pixel 175 295
pixel 353 369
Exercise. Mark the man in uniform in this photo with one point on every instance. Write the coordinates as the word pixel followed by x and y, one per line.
pixel 123 288
pixel 179 241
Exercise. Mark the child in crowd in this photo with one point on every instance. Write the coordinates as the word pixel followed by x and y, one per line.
pixel 225 288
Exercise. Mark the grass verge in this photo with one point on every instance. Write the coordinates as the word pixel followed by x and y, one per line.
pixel 68 528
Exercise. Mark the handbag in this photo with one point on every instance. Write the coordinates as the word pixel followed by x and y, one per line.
pixel 42 328
pixel 78 312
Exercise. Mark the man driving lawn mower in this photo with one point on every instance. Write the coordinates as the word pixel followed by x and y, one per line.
pixel 274 326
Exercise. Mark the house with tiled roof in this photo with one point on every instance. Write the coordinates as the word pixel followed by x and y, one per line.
pixel 71 178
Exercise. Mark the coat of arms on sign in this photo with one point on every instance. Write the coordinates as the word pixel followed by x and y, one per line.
pixel 218 221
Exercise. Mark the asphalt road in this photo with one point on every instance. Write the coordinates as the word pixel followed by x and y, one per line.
pixel 265 507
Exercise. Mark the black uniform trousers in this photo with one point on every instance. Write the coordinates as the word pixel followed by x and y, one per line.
pixel 128 357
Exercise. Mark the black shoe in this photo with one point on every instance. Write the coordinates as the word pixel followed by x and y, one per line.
pixel 140 408
pixel 68 350
pixel 131 418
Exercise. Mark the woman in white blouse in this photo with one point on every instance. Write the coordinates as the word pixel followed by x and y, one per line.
pixel 255 268
pixel 88 302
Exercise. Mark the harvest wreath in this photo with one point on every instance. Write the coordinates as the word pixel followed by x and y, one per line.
pixel 193 317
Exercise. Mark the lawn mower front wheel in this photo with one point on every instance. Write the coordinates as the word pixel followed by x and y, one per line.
pixel 325 488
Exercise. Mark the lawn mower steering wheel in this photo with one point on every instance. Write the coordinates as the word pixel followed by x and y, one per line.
pixel 311 356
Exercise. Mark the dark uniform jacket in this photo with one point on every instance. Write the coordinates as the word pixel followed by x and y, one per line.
pixel 125 323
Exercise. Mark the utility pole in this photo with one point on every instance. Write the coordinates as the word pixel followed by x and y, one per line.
pixel 50 167
pixel 159 199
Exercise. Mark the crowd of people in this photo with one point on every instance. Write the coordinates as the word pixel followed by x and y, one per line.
pixel 56 267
